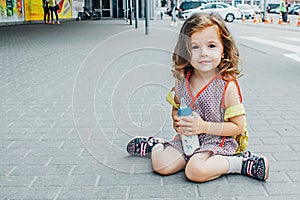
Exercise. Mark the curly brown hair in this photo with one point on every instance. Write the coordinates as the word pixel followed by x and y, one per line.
pixel 182 52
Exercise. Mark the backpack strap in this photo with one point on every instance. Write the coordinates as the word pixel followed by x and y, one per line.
pixel 225 89
pixel 233 111
pixel 170 99
pixel 241 139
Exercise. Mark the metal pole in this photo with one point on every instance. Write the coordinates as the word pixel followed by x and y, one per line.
pixel 130 12
pixel 146 16
pixel 136 9
pixel 125 10
pixel 265 10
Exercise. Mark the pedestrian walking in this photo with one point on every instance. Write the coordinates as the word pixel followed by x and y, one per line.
pixel 205 62
pixel 46 11
pixel 53 10
pixel 173 13
pixel 283 11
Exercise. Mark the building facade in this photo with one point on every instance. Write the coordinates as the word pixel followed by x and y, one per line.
pixel 120 8
pixel 32 10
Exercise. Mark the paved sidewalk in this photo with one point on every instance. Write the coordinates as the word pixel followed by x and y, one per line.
pixel 73 95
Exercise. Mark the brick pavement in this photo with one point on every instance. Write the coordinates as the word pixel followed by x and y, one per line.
pixel 73 95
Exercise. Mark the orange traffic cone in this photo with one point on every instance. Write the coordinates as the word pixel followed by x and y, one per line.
pixel 298 24
pixel 271 20
pixel 266 19
pixel 254 18
pixel 259 19
pixel 280 19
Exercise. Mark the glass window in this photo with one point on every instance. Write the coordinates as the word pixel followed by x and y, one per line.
pixel 211 6
pixel 220 6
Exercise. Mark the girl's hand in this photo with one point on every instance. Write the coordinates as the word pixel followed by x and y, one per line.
pixel 191 125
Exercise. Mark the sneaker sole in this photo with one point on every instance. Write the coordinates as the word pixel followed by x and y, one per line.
pixel 267 168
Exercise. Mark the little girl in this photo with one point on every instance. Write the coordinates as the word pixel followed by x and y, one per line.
pixel 206 67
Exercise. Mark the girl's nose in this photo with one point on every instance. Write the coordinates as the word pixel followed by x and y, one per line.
pixel 203 52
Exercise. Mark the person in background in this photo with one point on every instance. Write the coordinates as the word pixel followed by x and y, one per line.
pixel 283 11
pixel 173 12
pixel 52 4
pixel 287 5
pixel 46 11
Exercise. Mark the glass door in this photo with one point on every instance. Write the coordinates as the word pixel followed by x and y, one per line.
pixel 106 8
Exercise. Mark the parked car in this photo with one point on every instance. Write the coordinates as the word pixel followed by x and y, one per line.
pixel 256 9
pixel 187 5
pixel 272 6
pixel 274 10
pixel 226 11
pixel 297 11
pixel 293 9
pixel 246 11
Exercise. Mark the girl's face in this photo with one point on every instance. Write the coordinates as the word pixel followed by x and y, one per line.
pixel 206 49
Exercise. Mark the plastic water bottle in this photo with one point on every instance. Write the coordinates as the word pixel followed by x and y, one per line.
pixel 189 143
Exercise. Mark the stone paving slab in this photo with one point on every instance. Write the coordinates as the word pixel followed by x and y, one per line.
pixel 73 95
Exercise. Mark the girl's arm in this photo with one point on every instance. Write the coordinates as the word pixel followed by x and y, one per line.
pixel 235 126
pixel 175 119
pixel 175 110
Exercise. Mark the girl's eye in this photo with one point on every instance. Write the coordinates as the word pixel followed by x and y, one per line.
pixel 195 47
pixel 211 46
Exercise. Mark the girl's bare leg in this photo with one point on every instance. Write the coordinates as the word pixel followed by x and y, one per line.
pixel 167 160
pixel 203 167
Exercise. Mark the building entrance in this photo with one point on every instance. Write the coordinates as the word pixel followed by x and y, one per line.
pixel 106 8
pixel 103 6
